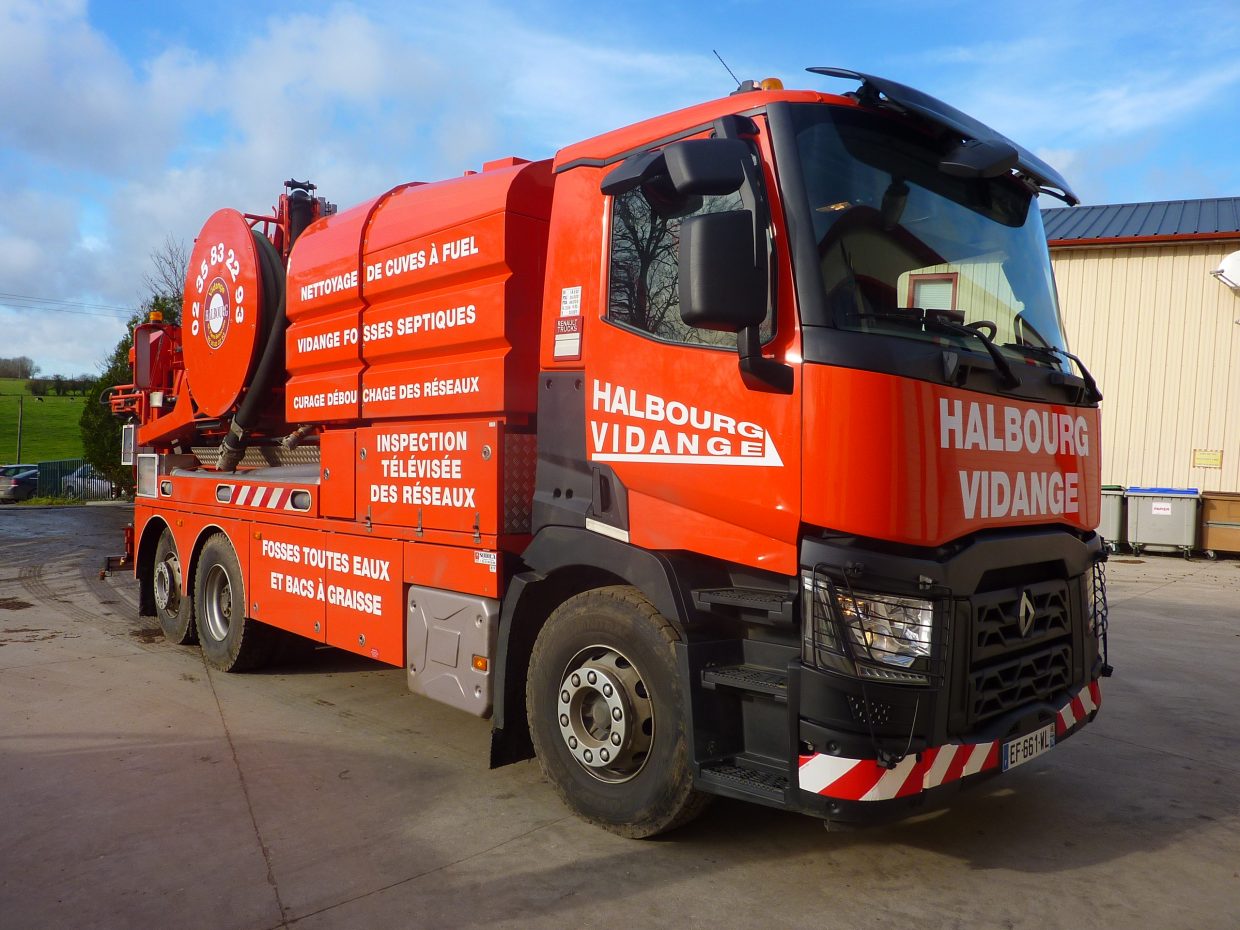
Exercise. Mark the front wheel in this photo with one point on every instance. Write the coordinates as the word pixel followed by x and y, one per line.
pixel 174 610
pixel 607 713
pixel 230 641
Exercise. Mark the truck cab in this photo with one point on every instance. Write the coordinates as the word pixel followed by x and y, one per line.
pixel 826 395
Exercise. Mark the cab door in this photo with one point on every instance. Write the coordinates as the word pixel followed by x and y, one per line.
pixel 707 463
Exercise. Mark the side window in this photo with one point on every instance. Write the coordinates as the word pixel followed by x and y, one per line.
pixel 644 290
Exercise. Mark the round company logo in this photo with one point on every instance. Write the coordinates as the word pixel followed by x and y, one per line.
pixel 217 313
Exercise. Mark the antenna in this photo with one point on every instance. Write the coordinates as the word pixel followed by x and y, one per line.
pixel 726 68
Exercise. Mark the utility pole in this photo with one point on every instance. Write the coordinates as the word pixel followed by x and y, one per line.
pixel 20 398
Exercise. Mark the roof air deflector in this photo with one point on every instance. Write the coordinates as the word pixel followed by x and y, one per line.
pixel 881 92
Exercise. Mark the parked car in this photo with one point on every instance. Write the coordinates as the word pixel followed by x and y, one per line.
pixel 18 482
pixel 88 483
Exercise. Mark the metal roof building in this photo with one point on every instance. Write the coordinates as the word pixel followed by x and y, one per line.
pixel 1170 220
pixel 1144 308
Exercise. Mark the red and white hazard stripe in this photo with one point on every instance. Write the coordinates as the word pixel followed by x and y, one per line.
pixel 1077 709
pixel 259 496
pixel 866 780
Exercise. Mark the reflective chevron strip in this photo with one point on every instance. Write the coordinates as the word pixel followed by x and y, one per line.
pixel 259 496
pixel 1080 707
pixel 866 780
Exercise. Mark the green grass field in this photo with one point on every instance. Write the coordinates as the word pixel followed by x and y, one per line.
pixel 49 426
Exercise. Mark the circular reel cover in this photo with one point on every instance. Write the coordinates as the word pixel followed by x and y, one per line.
pixel 222 325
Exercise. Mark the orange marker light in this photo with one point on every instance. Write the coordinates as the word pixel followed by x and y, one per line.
pixel 480 663
pixel 772 84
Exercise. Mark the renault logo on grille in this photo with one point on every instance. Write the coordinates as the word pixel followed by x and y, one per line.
pixel 1026 613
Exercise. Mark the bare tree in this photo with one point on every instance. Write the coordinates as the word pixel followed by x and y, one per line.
pixel 643 266
pixel 166 279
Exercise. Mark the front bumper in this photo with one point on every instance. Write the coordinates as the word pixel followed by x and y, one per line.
pixel 846 789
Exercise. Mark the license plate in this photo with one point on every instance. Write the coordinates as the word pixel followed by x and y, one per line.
pixel 1019 751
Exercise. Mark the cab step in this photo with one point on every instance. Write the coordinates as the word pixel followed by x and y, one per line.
pixel 736 780
pixel 749 678
pixel 756 605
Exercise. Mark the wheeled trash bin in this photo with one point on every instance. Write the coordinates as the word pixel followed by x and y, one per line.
pixel 1111 528
pixel 1220 522
pixel 1162 518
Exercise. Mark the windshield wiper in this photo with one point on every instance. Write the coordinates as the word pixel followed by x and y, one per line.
pixel 1010 378
pixel 1091 386
pixel 1092 391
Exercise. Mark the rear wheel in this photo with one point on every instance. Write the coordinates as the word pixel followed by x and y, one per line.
pixel 606 710
pixel 174 610
pixel 230 641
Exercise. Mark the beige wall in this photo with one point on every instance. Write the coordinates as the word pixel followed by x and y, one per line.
pixel 1159 334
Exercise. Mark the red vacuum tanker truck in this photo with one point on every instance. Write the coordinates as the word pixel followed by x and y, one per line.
pixel 735 452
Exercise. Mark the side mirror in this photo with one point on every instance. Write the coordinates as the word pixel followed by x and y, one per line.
pixel 720 286
pixel 692 167
pixel 709 167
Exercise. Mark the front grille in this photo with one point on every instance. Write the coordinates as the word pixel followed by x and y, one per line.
pixel 1001 687
pixel 996 619
pixel 1012 663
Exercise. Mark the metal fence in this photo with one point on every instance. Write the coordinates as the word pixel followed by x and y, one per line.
pixel 75 479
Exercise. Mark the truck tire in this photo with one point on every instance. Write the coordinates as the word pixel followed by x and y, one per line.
pixel 607 714
pixel 175 612
pixel 230 641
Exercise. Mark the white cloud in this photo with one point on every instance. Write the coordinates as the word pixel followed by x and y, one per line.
pixel 68 96
pixel 1072 108
pixel 60 342
pixel 362 100
pixel 358 102
pixel 1116 89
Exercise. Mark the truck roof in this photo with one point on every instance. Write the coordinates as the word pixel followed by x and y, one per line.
pixel 604 148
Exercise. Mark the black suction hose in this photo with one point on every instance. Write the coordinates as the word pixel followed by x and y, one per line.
pixel 269 365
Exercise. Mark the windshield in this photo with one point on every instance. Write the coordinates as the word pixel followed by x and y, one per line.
pixel 906 250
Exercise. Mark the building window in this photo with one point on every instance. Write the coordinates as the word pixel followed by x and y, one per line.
pixel 933 291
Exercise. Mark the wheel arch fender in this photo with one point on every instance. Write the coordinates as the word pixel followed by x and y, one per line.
pixel 562 562
pixel 144 564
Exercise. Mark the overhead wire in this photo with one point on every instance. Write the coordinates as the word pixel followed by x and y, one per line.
pixel 61 305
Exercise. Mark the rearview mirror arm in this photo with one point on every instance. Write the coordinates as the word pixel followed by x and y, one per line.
pixel 757 371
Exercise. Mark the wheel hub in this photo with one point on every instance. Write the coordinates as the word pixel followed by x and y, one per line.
pixel 217 611
pixel 167 584
pixel 605 715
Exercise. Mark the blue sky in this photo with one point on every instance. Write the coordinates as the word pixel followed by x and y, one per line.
pixel 124 123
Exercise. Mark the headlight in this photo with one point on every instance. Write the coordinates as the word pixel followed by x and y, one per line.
pixel 868 635
pixel 891 630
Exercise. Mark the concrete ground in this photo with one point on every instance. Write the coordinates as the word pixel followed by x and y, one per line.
pixel 140 789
